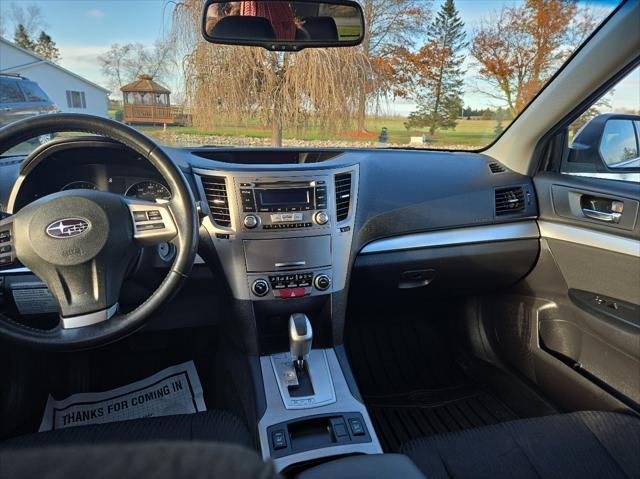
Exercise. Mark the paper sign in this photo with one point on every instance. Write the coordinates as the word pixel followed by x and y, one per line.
pixel 175 390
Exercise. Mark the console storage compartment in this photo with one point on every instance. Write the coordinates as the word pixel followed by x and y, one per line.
pixel 370 466
pixel 287 254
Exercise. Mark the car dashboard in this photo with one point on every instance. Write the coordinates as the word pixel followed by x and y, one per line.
pixel 288 224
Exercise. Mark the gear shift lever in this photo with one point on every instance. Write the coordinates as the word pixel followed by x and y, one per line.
pixel 300 339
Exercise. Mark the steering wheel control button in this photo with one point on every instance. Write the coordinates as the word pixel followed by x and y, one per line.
pixel 5 236
pixel 150 226
pixel 260 287
pixel 251 221
pixel 322 282
pixel 5 249
pixel 140 216
pixel 321 218
pixel 154 215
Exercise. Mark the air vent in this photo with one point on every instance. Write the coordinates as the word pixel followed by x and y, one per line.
pixel 215 189
pixel 509 200
pixel 496 168
pixel 343 195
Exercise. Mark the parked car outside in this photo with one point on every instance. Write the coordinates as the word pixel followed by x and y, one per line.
pixel 23 98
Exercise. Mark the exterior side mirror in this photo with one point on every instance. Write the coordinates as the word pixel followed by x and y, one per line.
pixel 609 143
pixel 619 143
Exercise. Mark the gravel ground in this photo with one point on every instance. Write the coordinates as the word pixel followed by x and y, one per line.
pixel 199 140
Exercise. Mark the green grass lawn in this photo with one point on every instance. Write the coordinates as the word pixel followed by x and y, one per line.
pixel 476 133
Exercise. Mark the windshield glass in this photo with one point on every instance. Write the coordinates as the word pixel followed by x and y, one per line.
pixel 447 74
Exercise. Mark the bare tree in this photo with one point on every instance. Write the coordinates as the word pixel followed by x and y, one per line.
pixel 122 64
pixel 29 16
pixel 241 84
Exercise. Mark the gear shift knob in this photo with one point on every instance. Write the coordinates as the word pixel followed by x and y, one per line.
pixel 300 338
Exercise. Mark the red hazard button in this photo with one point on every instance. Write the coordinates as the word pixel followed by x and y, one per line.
pixel 292 293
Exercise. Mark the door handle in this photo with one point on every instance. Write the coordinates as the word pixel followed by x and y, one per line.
pixel 606 216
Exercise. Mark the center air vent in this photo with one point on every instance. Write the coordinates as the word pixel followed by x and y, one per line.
pixel 343 195
pixel 509 200
pixel 496 168
pixel 215 190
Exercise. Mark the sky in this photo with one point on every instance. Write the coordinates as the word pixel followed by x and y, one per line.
pixel 85 29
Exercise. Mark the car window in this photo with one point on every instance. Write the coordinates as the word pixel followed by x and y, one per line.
pixel 33 92
pixel 9 92
pixel 604 140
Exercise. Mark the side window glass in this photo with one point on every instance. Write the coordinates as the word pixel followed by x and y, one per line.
pixel 604 142
pixel 33 92
pixel 618 144
pixel 9 92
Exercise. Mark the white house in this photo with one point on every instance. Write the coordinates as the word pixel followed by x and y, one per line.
pixel 69 91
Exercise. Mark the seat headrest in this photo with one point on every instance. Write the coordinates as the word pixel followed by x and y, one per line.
pixel 235 26
pixel 320 29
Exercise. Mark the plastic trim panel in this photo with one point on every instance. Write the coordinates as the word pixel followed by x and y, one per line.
pixel 458 236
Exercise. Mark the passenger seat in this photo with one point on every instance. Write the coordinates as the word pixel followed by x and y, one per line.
pixel 580 445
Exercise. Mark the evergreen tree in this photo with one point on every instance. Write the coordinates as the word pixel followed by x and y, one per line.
pixel 46 48
pixel 438 67
pixel 22 38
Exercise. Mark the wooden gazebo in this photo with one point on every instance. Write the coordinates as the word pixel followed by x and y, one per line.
pixel 146 101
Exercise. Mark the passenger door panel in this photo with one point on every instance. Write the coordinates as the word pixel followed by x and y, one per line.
pixel 595 329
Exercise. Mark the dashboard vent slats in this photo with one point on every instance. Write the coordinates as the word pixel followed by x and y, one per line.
pixel 343 195
pixel 215 190
pixel 496 168
pixel 509 200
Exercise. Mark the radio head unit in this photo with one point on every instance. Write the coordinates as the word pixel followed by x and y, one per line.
pixel 284 198
pixel 284 204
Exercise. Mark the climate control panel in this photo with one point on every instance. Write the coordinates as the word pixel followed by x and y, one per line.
pixel 290 285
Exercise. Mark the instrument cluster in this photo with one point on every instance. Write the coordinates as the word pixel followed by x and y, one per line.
pixel 144 189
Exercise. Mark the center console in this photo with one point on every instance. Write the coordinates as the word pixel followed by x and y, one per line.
pixel 283 237
pixel 311 411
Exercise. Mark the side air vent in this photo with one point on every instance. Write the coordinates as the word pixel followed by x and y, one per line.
pixel 509 200
pixel 215 189
pixel 343 195
pixel 496 168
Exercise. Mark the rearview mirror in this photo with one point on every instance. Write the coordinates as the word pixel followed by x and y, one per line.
pixel 283 26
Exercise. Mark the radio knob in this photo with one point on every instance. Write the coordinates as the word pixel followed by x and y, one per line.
pixel 322 282
pixel 251 221
pixel 321 218
pixel 260 287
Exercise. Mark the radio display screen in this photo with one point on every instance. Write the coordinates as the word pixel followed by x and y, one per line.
pixel 284 197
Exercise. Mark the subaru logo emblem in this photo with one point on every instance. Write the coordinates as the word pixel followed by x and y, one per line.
pixel 67 227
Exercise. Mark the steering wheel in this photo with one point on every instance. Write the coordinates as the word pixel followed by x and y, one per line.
pixel 80 242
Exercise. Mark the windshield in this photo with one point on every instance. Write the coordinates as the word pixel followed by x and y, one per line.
pixel 447 74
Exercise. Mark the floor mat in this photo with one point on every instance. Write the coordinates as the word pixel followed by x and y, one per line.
pixel 412 385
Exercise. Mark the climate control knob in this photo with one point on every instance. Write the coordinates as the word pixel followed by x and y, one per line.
pixel 260 287
pixel 322 282
pixel 251 221
pixel 321 218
